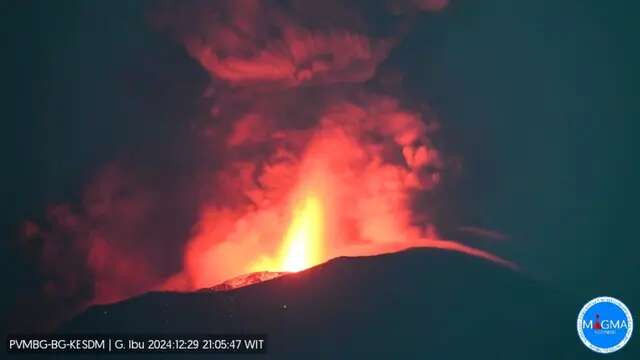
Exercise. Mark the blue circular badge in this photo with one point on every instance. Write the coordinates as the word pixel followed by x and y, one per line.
pixel 605 324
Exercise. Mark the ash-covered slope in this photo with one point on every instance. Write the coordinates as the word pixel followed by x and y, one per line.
pixel 245 280
pixel 421 302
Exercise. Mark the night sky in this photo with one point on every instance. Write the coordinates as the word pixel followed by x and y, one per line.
pixel 538 100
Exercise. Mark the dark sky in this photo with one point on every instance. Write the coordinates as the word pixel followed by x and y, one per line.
pixel 538 98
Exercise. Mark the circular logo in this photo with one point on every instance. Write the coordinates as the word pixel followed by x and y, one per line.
pixel 605 324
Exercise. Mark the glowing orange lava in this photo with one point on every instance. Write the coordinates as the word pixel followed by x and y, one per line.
pixel 303 240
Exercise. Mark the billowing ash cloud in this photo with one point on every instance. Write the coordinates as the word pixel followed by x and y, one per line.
pixel 292 118
pixel 120 240
pixel 272 43
pixel 361 153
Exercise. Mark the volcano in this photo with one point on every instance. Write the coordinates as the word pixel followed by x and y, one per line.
pixel 418 302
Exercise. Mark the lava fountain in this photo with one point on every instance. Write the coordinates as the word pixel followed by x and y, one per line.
pixel 303 241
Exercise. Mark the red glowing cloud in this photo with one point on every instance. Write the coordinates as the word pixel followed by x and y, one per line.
pixel 362 159
pixel 266 43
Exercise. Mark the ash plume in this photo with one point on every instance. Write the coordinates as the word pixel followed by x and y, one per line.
pixel 293 114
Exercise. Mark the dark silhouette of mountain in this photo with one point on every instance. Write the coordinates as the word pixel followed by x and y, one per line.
pixel 418 303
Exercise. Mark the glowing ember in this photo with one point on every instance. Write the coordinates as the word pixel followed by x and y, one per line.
pixel 303 241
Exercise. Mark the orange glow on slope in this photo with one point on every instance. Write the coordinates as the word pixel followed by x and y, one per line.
pixel 303 240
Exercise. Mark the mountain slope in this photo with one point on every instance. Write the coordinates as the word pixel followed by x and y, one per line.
pixel 245 280
pixel 419 302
